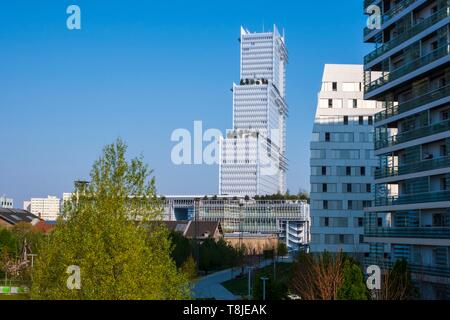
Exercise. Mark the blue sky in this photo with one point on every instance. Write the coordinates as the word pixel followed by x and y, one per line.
pixel 140 69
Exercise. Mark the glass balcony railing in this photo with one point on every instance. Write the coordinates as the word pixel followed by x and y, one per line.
pixel 432 270
pixel 413 198
pixel 393 110
pixel 424 165
pixel 391 13
pixel 408 232
pixel 414 30
pixel 416 64
pixel 412 135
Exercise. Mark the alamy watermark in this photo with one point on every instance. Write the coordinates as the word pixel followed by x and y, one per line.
pixel 208 147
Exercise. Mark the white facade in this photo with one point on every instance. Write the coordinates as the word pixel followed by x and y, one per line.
pixel 6 203
pixel 45 208
pixel 342 161
pixel 252 155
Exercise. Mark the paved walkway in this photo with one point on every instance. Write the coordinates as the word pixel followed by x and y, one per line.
pixel 210 286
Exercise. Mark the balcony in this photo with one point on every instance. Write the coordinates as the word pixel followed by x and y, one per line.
pixel 413 134
pixel 412 66
pixel 393 110
pixel 425 197
pixel 431 270
pixel 425 165
pixel 408 232
pixel 391 13
pixel 408 34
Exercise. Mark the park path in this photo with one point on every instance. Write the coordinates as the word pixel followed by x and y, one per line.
pixel 209 287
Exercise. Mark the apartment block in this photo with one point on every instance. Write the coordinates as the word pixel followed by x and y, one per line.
pixel 342 162
pixel 410 217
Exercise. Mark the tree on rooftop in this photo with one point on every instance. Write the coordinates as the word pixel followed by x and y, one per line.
pixel 109 229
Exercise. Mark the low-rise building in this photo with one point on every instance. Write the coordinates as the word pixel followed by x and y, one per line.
pixel 6 202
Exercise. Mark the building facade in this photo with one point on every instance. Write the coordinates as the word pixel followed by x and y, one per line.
pixel 6 203
pixel 47 209
pixel 342 162
pixel 410 218
pixel 252 155
pixel 288 220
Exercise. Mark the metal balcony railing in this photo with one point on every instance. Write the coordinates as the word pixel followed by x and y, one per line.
pixel 432 270
pixel 425 165
pixel 393 110
pixel 412 135
pixel 413 198
pixel 409 33
pixel 391 13
pixel 414 65
pixel 409 232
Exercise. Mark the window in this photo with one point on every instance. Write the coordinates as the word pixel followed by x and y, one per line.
pixel 345 120
pixel 379 222
pixel 350 205
pixel 334 86
pixel 349 187
pixel 326 222
pixel 370 121
pixel 361 238
pixel 318 154
pixel 443 150
pixel 368 188
pixel 348 171
pixel 324 171
pixel 324 187
pixel 360 222
pixel 362 171
pixel 361 120
pixel 351 86
pixel 327 136
pixel 355 103
pixel 325 204
pixel 330 103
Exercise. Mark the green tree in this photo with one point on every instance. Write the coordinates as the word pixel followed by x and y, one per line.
pixel 189 267
pixel 282 249
pixel 110 230
pixel 353 286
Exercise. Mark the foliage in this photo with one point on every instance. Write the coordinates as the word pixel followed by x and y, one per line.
pixel 189 268
pixel 276 289
pixel 105 231
pixel 354 286
pixel 397 283
pixel 282 249
pixel 318 277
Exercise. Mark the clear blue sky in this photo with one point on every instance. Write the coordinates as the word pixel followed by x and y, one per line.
pixel 140 69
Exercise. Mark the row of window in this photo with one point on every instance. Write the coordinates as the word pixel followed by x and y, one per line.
pixel 339 204
pixel 346 187
pixel 364 137
pixel 342 171
pixel 345 86
pixel 341 154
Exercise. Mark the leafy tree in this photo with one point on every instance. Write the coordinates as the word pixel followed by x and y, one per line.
pixel 189 267
pixel 397 283
pixel 353 286
pixel 105 230
pixel 282 249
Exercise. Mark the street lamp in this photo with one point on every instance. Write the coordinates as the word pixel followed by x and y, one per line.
pixel 250 281
pixel 264 279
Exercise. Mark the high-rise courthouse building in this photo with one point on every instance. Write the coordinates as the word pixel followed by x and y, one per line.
pixel 252 155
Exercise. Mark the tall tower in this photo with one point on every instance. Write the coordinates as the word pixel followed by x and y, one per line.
pixel 252 155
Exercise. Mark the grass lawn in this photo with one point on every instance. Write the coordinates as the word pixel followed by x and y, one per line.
pixel 239 286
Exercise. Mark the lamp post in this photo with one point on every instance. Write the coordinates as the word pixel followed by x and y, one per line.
pixel 264 279
pixel 250 268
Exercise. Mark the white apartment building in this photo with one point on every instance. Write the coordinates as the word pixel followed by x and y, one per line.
pixel 6 203
pixel 342 161
pixel 45 208
pixel 252 155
